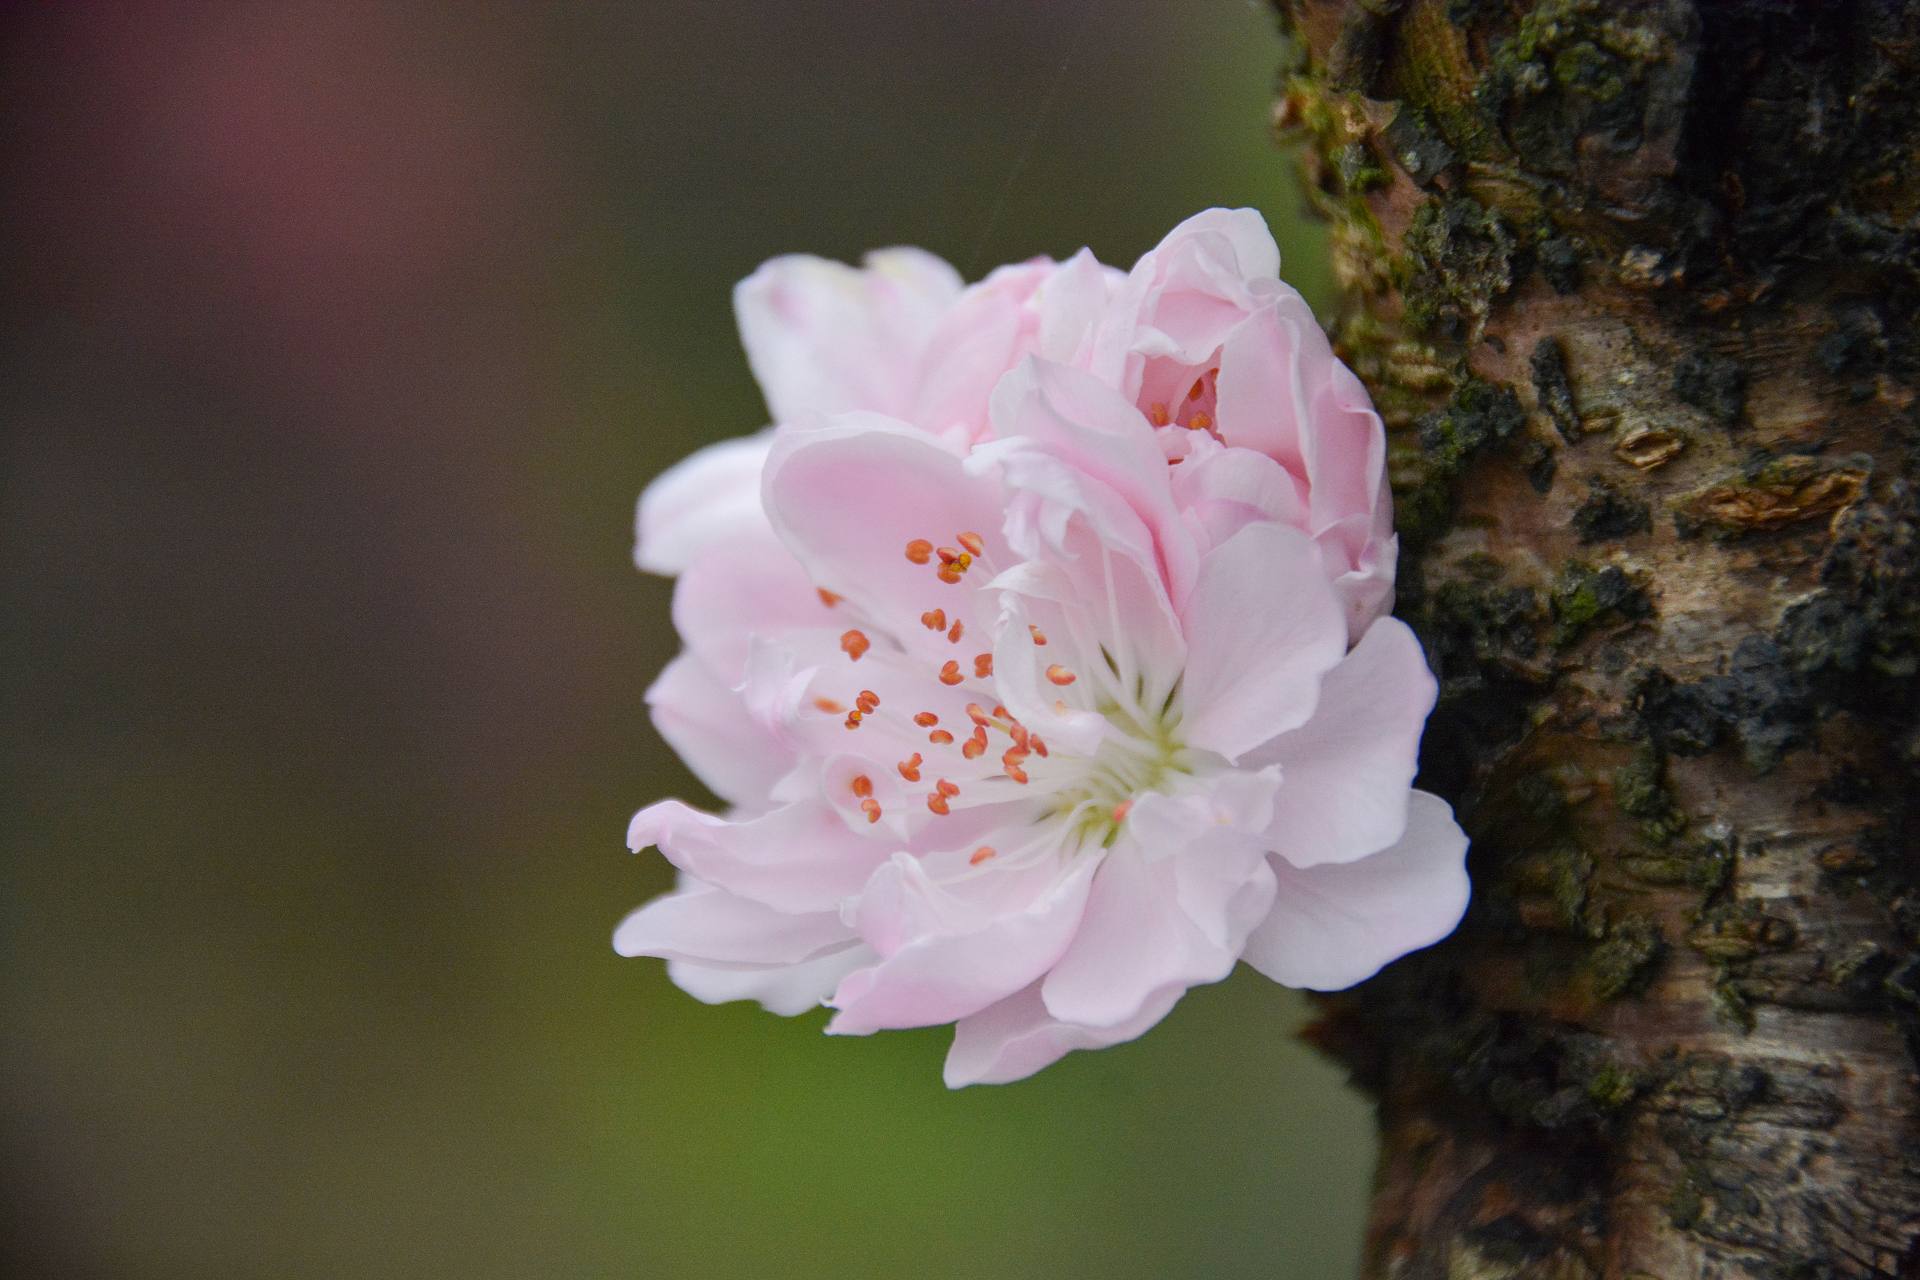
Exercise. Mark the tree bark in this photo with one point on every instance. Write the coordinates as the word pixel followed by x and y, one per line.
pixel 1634 284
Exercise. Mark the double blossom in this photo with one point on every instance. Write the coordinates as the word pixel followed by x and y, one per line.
pixel 1040 653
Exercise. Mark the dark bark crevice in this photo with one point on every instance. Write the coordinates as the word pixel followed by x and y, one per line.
pixel 1635 287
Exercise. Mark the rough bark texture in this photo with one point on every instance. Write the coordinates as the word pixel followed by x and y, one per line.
pixel 1634 283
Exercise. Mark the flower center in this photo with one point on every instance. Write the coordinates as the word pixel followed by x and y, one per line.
pixel 1140 754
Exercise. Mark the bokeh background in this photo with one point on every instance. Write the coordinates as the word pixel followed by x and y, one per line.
pixel 341 336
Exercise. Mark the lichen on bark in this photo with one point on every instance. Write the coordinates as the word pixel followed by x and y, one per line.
pixel 1634 285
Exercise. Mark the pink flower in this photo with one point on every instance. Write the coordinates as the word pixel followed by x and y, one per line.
pixel 1216 350
pixel 1032 714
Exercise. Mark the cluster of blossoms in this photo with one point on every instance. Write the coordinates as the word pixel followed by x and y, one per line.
pixel 1040 651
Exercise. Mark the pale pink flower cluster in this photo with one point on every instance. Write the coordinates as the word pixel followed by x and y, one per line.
pixel 1039 650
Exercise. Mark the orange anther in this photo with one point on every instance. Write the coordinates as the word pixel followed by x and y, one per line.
pixel 1060 675
pixel 954 632
pixel 950 673
pixel 868 695
pixel 947 555
pixel 919 551
pixel 862 785
pixel 1121 810
pixel 829 706
pixel 946 788
pixel 1039 747
pixel 939 737
pixel 977 713
pixel 1013 755
pixel 1018 774
pixel 1001 712
pixel 975 747
pixel 925 719
pixel 854 643
pixel 982 665
pixel 871 808
pixel 910 767
pixel 948 574
pixel 828 598
pixel 1039 636
pixel 973 542
pixel 934 619
pixel 853 719
pixel 980 855
pixel 1198 389
pixel 1200 422
pixel 1158 416
pixel 937 803
pixel 1018 732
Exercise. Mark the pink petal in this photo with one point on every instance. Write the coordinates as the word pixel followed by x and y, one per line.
pixel 1347 770
pixel 1262 628
pixel 1141 938
pixel 984 334
pixel 1083 422
pixel 709 728
pixel 784 989
pixel 798 858
pixel 748 585
pixel 823 337
pixel 1014 1038
pixel 1334 925
pixel 711 926
pixel 699 501
pixel 945 958
pixel 1224 490
pixel 1262 405
pixel 847 498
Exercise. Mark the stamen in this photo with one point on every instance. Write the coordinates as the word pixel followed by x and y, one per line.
pixel 829 598
pixel 871 808
pixel 829 706
pixel 976 746
pixel 1018 774
pixel 982 665
pixel 1060 675
pixel 937 803
pixel 1121 810
pixel 947 555
pixel 940 737
pixel 1013 756
pixel 1158 416
pixel 973 542
pixel 946 788
pixel 950 673
pixel 855 643
pixel 980 855
pixel 925 719
pixel 910 767
pixel 978 714
pixel 1199 389
pixel 955 631
pixel 867 700
pixel 1200 422
pixel 1039 636
pixel 919 551
pixel 948 574
pixel 1039 747
pixel 853 719
pixel 934 619
pixel 862 785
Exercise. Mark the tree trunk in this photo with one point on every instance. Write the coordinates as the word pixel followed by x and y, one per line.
pixel 1634 284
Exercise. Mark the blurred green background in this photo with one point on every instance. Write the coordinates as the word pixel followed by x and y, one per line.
pixel 342 337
